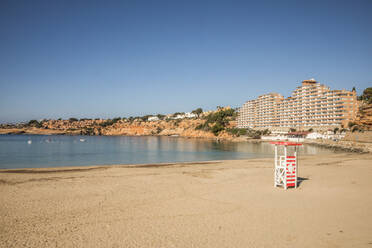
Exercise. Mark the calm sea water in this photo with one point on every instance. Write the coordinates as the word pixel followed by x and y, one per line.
pixel 35 151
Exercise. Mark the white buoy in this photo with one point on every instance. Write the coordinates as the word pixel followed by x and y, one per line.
pixel 29 142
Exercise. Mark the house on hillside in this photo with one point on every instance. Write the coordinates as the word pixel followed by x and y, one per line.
pixel 153 118
pixel 190 115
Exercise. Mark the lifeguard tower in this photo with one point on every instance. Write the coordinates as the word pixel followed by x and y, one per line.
pixel 285 173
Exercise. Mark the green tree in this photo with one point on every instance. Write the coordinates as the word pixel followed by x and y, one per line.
pixel 178 113
pixel 72 119
pixel 204 127
pixel 367 95
pixel 116 119
pixel 160 116
pixel 197 111
pixel 217 128
pixel 145 117
pixel 237 131
pixel 109 122
pixel 217 121
pixel 336 130
pixel 266 132
pixel 34 123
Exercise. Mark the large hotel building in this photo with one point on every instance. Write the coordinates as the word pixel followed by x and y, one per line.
pixel 312 105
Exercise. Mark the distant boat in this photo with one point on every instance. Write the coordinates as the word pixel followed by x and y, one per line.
pixel 29 142
pixel 82 140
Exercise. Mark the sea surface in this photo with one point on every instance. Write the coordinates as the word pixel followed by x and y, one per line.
pixel 37 151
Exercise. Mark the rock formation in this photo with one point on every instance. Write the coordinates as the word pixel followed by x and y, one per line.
pixel 364 116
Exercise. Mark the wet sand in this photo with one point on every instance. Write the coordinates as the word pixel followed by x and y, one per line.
pixel 216 204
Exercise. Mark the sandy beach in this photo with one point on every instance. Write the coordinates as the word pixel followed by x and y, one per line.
pixel 216 204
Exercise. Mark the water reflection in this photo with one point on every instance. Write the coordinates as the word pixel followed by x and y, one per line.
pixel 49 151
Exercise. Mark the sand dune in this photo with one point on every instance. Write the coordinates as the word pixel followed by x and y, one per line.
pixel 218 204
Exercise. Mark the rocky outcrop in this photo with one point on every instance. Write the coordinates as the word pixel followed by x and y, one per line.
pixel 32 130
pixel 364 116
pixel 182 128
pixel 349 146
pixel 11 131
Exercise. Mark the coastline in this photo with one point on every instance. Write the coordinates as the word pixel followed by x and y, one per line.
pixel 339 146
pixel 342 145
pixel 206 136
pixel 83 168
pixel 31 131
pixel 228 203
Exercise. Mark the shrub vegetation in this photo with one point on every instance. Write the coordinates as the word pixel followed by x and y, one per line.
pixel 217 121
pixel 367 95
pixel 34 123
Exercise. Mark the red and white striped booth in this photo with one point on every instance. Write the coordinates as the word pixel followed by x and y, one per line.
pixel 286 171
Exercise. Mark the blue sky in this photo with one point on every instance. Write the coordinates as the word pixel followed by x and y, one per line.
pixel 127 58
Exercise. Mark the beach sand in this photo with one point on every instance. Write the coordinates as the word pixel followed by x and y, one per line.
pixel 217 204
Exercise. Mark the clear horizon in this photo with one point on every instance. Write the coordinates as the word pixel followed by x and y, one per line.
pixel 118 59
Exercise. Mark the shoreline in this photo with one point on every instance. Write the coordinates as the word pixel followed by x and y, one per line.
pixel 82 168
pixel 230 203
pixel 341 145
pixel 63 133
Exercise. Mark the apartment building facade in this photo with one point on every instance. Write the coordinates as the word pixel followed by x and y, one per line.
pixel 312 105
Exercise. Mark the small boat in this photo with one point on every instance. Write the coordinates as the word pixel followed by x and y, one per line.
pixel 29 142
pixel 82 140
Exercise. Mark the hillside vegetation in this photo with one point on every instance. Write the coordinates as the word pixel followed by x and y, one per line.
pixel 213 124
